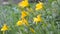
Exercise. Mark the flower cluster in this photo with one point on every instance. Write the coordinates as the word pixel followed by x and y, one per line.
pixel 26 12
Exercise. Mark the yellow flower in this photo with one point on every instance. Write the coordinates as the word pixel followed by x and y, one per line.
pixel 25 0
pixel 22 22
pixel 37 19
pixel 24 14
pixel 25 22
pixel 39 6
pixel 32 30
pixel 4 28
pixel 19 23
pixel 23 4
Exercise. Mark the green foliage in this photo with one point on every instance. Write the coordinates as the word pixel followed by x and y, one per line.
pixel 50 15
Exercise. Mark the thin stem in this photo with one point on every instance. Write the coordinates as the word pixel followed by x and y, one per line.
pixel 3 32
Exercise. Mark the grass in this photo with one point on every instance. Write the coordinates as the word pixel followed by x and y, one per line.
pixel 50 14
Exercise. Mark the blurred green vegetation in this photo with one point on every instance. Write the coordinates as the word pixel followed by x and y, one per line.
pixel 10 14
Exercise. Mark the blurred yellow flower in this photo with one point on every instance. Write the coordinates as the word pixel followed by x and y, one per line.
pixel 24 14
pixel 4 28
pixel 37 19
pixel 23 3
pixel 25 21
pixel 39 6
pixel 32 30
pixel 19 23
pixel 25 0
pixel 22 22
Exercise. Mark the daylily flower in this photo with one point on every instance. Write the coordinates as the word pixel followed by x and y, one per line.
pixel 39 6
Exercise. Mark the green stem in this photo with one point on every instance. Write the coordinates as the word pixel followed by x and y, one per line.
pixel 3 32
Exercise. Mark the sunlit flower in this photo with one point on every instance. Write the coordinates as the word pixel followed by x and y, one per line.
pixel 25 0
pixel 37 19
pixel 22 22
pixel 23 3
pixel 39 6
pixel 24 14
pixel 19 23
pixel 32 30
pixel 4 27
pixel 25 22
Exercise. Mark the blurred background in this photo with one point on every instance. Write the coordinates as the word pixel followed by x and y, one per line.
pixel 10 13
pixel 17 1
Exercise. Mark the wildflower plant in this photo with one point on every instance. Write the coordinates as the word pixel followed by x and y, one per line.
pixel 4 28
pixel 30 18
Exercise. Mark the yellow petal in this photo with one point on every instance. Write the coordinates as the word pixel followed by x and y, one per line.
pixel 39 6
pixel 24 14
pixel 23 4
pixel 19 23
pixel 4 28
pixel 25 21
